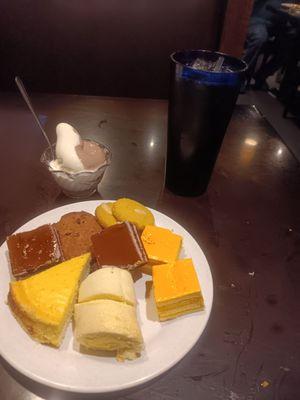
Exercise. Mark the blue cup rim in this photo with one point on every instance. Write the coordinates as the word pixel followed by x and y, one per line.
pixel 236 60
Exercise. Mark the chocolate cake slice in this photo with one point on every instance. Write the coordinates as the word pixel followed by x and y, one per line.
pixel 33 250
pixel 119 245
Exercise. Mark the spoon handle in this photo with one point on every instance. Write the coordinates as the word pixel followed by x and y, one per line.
pixel 26 98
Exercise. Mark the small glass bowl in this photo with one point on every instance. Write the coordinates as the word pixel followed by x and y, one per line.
pixel 77 185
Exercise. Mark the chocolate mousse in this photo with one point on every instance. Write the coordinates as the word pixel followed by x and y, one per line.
pixel 90 154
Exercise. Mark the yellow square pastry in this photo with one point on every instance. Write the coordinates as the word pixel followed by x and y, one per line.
pixel 176 289
pixel 161 244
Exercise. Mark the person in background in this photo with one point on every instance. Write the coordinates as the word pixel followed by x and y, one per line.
pixel 264 24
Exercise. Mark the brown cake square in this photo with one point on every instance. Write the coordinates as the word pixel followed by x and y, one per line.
pixel 119 245
pixel 75 230
pixel 33 250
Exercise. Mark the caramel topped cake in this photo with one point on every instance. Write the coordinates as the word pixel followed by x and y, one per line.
pixel 119 245
pixel 75 230
pixel 34 250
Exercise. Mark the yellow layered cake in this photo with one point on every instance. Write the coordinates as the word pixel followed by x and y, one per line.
pixel 161 245
pixel 176 289
pixel 43 304
pixel 105 317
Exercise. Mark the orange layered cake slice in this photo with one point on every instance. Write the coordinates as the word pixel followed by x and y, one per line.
pixel 161 245
pixel 176 289
pixel 43 304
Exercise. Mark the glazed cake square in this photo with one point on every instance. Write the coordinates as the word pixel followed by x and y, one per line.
pixel 119 245
pixel 33 250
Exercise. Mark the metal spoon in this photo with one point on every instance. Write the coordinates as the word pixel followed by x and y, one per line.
pixel 25 96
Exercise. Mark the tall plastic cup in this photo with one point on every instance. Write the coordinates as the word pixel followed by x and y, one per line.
pixel 203 92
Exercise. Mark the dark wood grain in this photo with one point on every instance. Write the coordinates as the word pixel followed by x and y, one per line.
pixel 248 225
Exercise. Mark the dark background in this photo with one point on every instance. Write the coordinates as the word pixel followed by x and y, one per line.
pixel 102 47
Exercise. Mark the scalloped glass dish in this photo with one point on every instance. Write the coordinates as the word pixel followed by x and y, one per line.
pixel 77 185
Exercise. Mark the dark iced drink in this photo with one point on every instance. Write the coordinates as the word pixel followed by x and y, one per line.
pixel 203 92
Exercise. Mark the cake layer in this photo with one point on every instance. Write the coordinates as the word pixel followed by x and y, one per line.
pixel 163 316
pixel 43 303
pixel 108 325
pixel 108 283
pixel 179 303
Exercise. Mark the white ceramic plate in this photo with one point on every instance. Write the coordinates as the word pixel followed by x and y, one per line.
pixel 65 368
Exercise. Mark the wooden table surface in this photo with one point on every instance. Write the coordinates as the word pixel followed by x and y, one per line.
pixel 248 225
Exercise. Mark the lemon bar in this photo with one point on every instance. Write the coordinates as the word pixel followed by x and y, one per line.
pixel 176 289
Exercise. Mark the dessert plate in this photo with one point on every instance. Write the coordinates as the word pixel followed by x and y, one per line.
pixel 67 369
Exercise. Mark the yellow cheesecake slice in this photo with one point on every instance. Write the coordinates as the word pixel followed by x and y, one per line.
pixel 161 245
pixel 108 283
pixel 176 289
pixel 110 326
pixel 43 304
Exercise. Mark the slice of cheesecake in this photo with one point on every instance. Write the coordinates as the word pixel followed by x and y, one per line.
pixel 43 304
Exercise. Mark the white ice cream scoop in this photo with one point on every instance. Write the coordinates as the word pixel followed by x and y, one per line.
pixel 67 140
